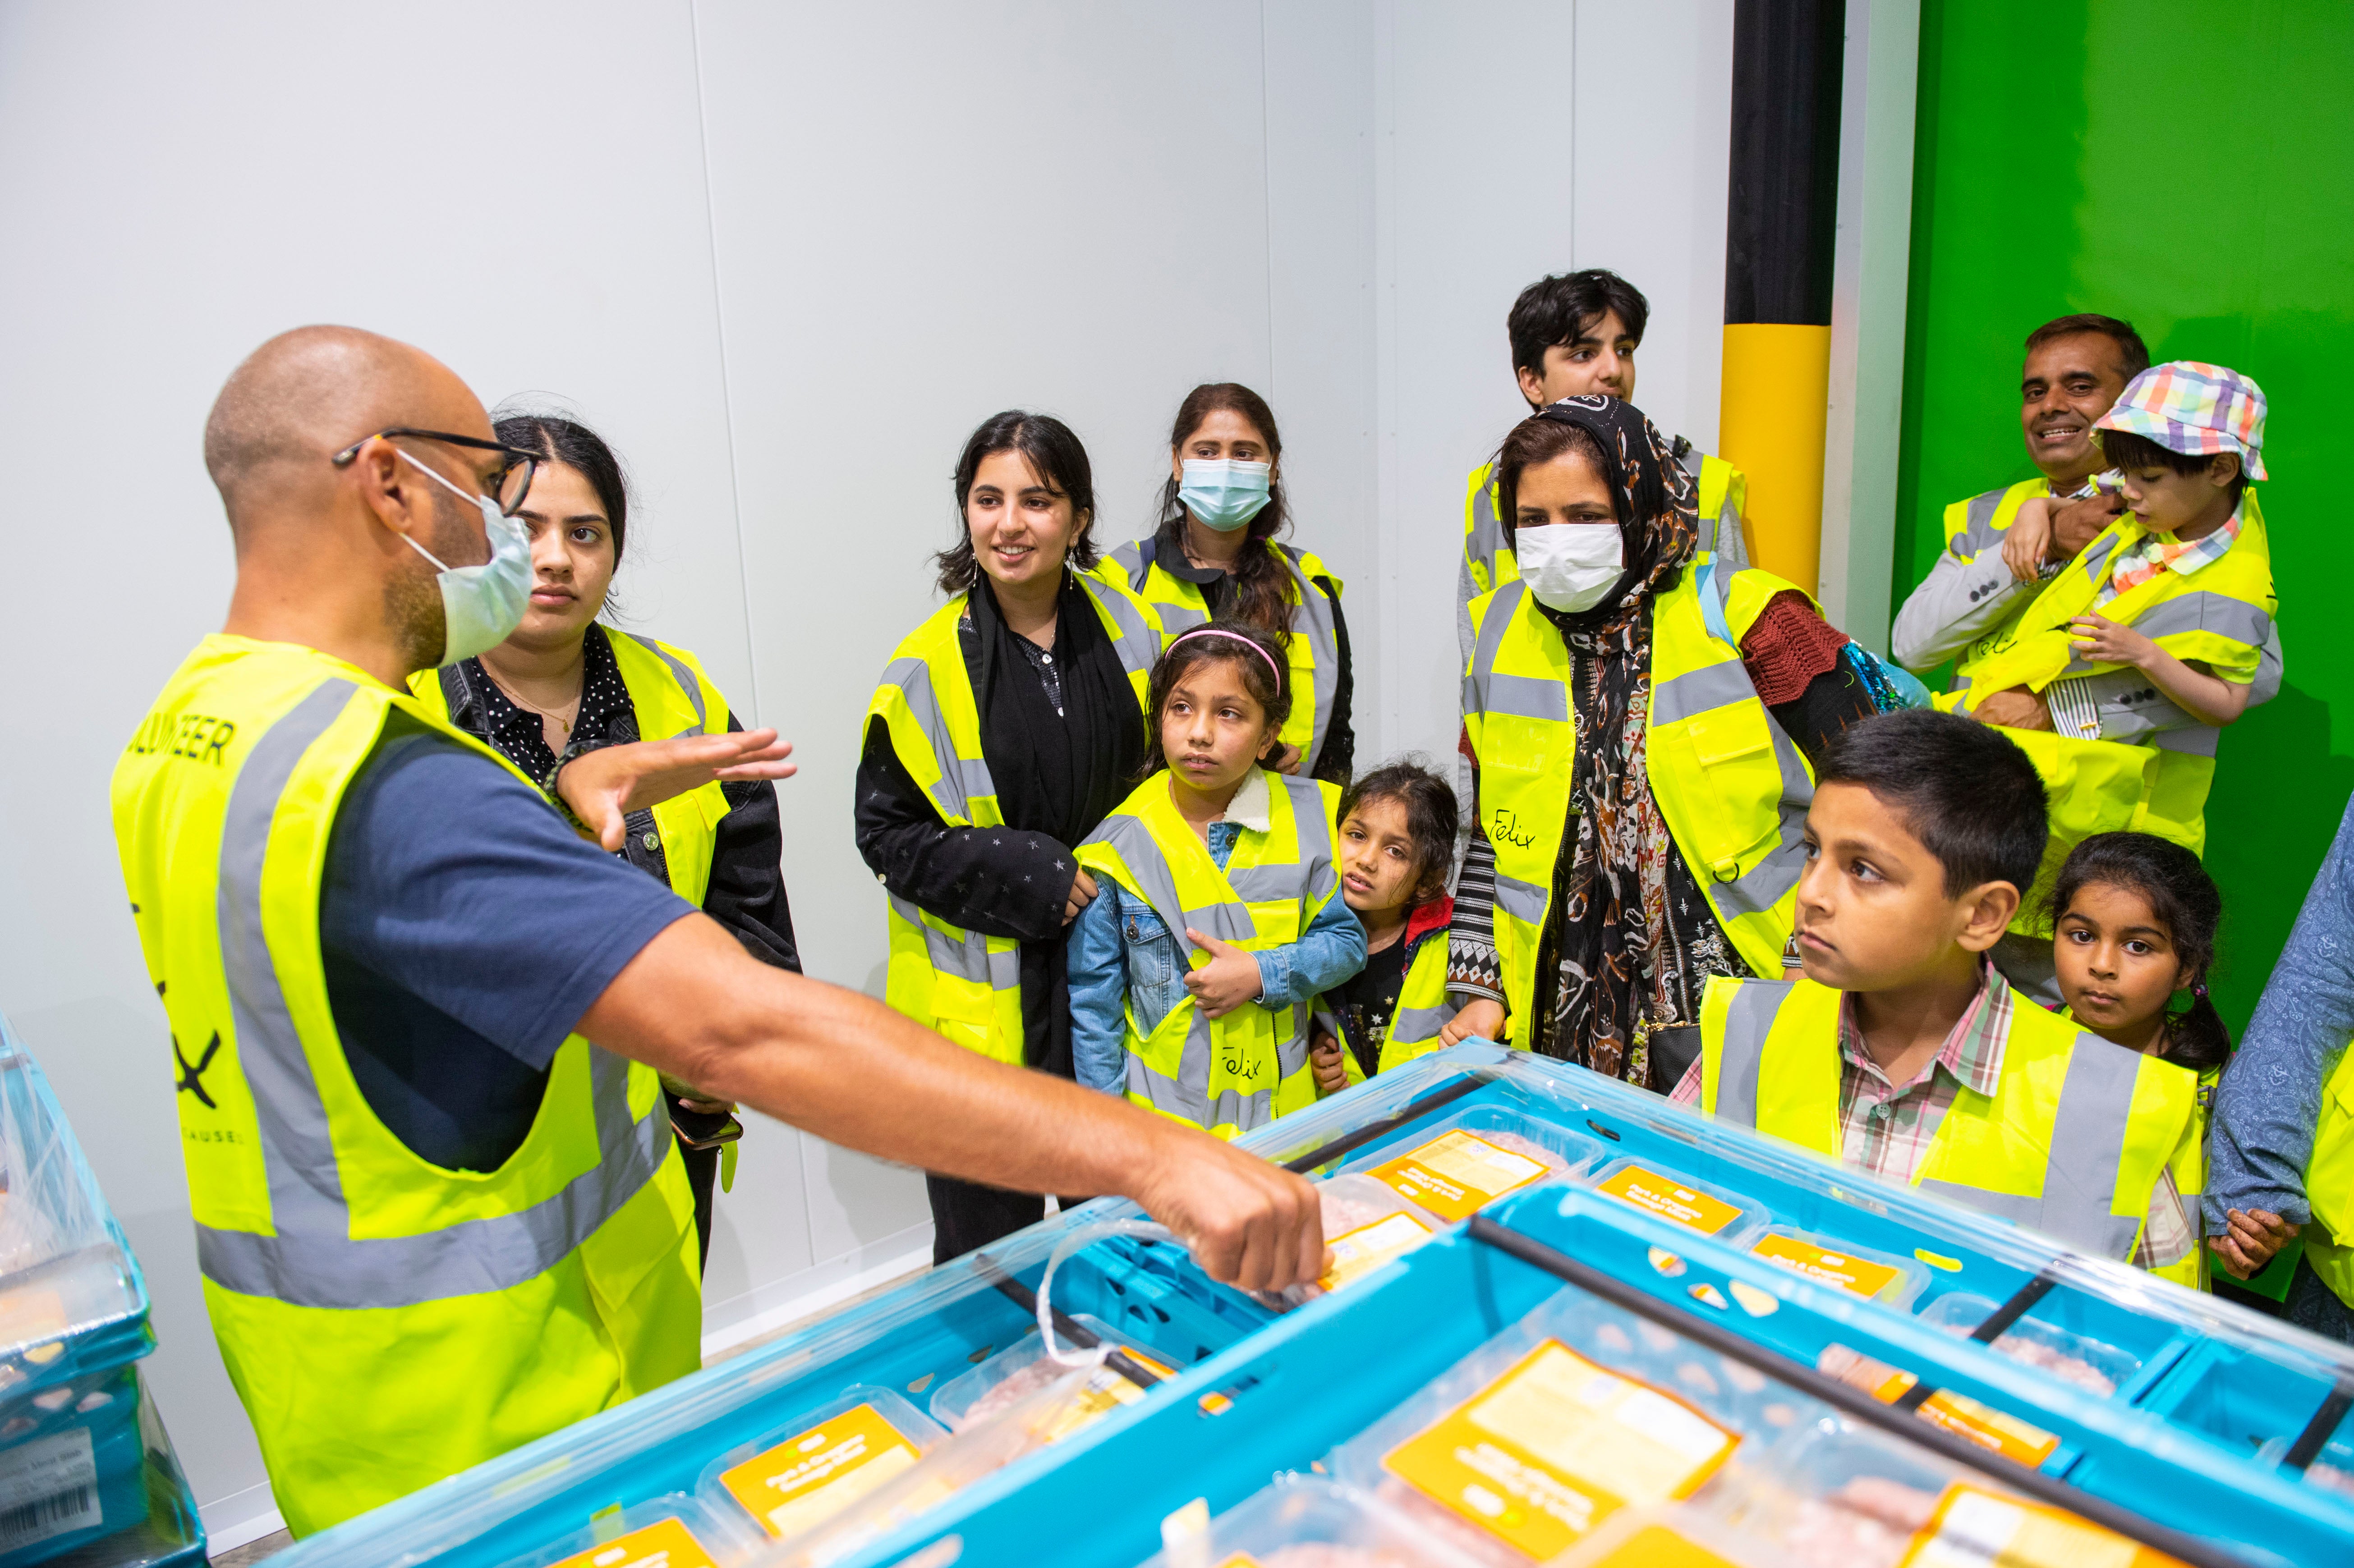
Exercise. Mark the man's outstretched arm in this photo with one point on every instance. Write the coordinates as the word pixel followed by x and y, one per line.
pixel 845 1067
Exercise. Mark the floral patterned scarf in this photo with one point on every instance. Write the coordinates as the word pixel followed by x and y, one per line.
pixel 1632 934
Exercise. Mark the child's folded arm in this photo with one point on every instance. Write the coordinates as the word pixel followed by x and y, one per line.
pixel 1330 950
pixel 1097 965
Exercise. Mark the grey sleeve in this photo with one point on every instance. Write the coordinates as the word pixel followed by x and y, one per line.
pixel 2131 706
pixel 1958 603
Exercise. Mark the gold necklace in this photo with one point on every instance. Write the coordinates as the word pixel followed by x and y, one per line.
pixel 533 707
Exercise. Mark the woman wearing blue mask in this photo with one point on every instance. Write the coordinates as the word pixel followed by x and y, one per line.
pixel 561 685
pixel 1214 557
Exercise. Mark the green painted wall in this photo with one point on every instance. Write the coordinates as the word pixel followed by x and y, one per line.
pixel 2191 168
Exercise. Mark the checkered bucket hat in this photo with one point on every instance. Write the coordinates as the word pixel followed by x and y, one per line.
pixel 2187 407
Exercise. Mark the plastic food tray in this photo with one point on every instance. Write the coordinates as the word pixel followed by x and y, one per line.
pixel 1453 1190
pixel 788 1479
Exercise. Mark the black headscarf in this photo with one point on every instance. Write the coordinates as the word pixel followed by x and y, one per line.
pixel 1056 774
pixel 1658 511
pixel 1632 940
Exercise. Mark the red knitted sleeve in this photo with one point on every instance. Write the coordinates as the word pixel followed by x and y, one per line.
pixel 1787 646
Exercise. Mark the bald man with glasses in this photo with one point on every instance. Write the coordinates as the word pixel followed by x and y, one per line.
pixel 305 846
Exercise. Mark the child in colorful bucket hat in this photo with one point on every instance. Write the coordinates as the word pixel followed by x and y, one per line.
pixel 2178 592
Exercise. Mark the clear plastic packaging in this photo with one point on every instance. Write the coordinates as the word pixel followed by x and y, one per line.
pixel 1832 1496
pixel 1306 1521
pixel 1047 1417
pixel 2097 1368
pixel 1675 1536
pixel 1023 1368
pixel 673 1531
pixel 792 1477
pixel 1366 1224
pixel 1576 1413
pixel 1669 1194
pixel 1460 1165
pixel 71 1300
pixel 1879 1277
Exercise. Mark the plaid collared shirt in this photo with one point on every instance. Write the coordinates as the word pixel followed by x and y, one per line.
pixel 2156 553
pixel 1885 1127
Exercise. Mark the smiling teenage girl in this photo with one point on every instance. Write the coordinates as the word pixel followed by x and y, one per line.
pixel 1214 557
pixel 563 684
pixel 1220 854
pixel 1005 726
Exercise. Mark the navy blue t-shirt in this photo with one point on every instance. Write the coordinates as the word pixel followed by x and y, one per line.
pixel 466 928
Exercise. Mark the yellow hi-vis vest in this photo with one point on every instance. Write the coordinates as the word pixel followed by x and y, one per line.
pixel 1242 1071
pixel 1423 1009
pixel 386 1321
pixel 1733 787
pixel 2330 1184
pixel 2222 614
pixel 1488 560
pixel 1312 652
pixel 1976 525
pixel 2071 1143
pixel 966 985
pixel 671 696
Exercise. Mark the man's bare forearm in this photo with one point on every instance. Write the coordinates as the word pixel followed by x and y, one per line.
pixel 853 1072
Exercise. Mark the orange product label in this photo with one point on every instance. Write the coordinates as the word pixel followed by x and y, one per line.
pixel 1859 1275
pixel 1458 1173
pixel 1974 1529
pixel 1102 1392
pixel 1655 1195
pixel 1980 1423
pixel 1557 1444
pixel 810 1475
pixel 1360 1252
pixel 665 1544
pixel 1657 1546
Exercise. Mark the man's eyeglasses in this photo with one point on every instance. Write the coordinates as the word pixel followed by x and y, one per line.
pixel 509 484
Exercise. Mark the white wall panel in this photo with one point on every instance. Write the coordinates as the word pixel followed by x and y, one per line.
pixel 786 257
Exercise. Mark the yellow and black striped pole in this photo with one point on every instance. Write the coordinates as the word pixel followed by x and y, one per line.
pixel 1781 222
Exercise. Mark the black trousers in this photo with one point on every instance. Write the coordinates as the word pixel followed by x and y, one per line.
pixel 968 1216
pixel 702 1176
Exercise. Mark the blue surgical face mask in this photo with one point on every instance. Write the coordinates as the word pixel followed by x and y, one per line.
pixel 480 606
pixel 1224 493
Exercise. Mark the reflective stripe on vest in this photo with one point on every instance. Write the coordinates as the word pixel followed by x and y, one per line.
pixel 670 695
pixel 314 1260
pixel 2222 614
pixel 1241 1071
pixel 1770 1060
pixel 1733 787
pixel 1313 650
pixel 1422 1009
pixel 1719 492
pixel 540 1292
pixel 959 983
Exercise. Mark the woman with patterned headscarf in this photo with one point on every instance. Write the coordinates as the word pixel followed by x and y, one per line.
pixel 1637 723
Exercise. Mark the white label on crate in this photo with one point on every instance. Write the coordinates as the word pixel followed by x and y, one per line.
pixel 47 1487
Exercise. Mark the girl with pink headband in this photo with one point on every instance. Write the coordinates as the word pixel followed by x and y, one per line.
pixel 1192 974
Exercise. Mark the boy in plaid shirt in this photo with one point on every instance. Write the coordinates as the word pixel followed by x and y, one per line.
pixel 1904 1052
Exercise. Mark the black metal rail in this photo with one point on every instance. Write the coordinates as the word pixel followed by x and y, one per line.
pixel 1350 1141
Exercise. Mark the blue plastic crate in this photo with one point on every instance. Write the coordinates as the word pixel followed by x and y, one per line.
pixel 72 1301
pixel 94 1483
pixel 1404 1325
pixel 909 1340
pixel 1285 1398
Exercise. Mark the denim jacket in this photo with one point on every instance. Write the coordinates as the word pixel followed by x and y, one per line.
pixel 1121 952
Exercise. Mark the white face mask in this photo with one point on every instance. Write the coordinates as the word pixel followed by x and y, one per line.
pixel 1570 566
pixel 480 606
